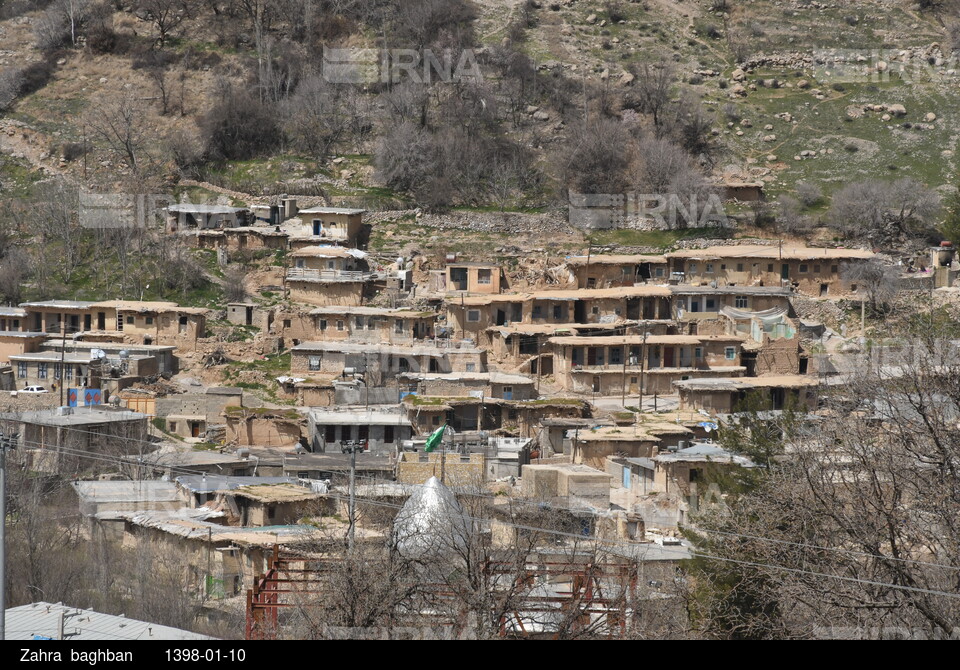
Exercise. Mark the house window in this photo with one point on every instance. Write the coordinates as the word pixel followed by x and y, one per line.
pixel 595 311
pixel 633 380
pixel 473 315
pixel 339 324
pixel 286 323
pixel 557 312
pixel 57 373
pixel 471 367
pixel 149 320
pixel 69 372
pixel 398 326
pixel 358 323
pixel 834 269
pixel 615 354
pixel 711 304
pixel 323 324
pixel 693 268
pixel 723 267
pixel 741 302
pixel 314 363
pixel 436 421
pixel 330 434
pixel 710 268
pixel 816 269
pixel 659 272
pixel 730 353
pixel 21 369
pixel 129 320
pixel 537 312
pixel 484 277
pixel 739 267
pixel 803 268
pixel 41 370
pixel 698 353
pixel 770 267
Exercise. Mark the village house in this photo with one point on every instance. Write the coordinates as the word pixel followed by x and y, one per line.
pixel 330 275
pixel 378 431
pixel 165 355
pixel 519 418
pixel 472 278
pixel 263 427
pixel 72 440
pixel 187 216
pixel 126 495
pixel 170 461
pixel 694 303
pixel 812 271
pixel 470 384
pixel 250 314
pixel 380 363
pixel 370 324
pixel 634 363
pixel 610 270
pixel 13 342
pixel 464 470
pixel 331 225
pixel 641 440
pixel 724 395
pixel 473 316
pixel 12 319
pixel 78 372
pixel 189 415
pixel 250 501
pixel 49 316
pixel 140 322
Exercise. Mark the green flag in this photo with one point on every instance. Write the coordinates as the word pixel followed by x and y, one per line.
pixel 434 440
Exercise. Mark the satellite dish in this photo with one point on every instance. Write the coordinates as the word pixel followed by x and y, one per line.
pixel 97 354
pixel 124 354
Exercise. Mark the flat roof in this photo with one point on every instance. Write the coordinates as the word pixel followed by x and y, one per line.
pixel 643 290
pixel 746 383
pixel 620 340
pixel 275 493
pixel 59 304
pixel 689 289
pixel 80 416
pixel 361 310
pixel 492 377
pixel 773 251
pixel 147 306
pixel 358 417
pixel 212 483
pixel 23 335
pixel 331 210
pixel 359 347
pixel 190 208
pixel 43 621
pixel 614 259
pixel 328 251
pixel 126 490
pixel 12 311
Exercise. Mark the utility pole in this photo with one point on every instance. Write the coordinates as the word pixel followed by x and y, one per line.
pixel 5 443
pixel 63 353
pixel 623 375
pixel 351 531
pixel 643 363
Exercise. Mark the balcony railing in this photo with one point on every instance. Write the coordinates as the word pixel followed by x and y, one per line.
pixel 333 275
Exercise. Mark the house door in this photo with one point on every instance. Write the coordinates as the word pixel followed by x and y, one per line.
pixel 101 321
pixel 633 308
pixel 194 429
pixel 318 228
pixel 626 478
pixel 785 271
pixel 596 383
pixel 668 357
pixel 87 321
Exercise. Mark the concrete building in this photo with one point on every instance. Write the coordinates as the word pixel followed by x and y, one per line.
pixel 380 431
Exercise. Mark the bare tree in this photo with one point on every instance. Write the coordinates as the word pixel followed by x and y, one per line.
pixel 852 531
pixel 653 83
pixel 878 281
pixel 165 15
pixel 883 212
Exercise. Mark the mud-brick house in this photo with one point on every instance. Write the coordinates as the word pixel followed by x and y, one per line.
pixel 725 395
pixel 641 440
pixel 140 322
pixel 482 278
pixel 608 270
pixel 332 225
pixel 379 363
pixel 813 271
pixel 628 364
pixel 356 323
pixel 263 427
pixel 188 216
pixel 328 275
